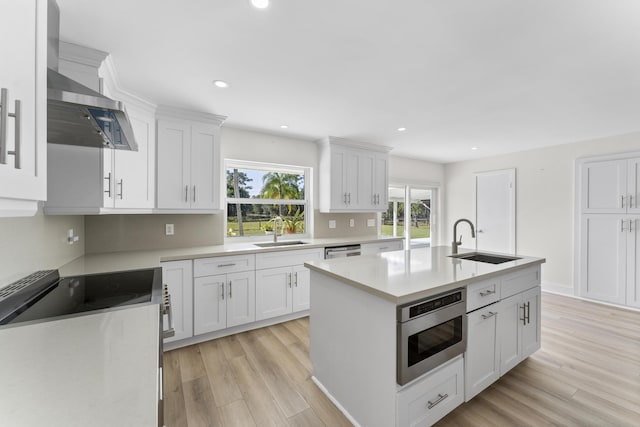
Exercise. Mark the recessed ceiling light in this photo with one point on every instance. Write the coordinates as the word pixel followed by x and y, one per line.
pixel 401 129
pixel 284 127
pixel 260 4
pixel 220 83
pixel 474 148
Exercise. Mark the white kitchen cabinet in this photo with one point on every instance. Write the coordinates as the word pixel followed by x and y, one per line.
pixel 223 301
pixel 482 358
pixel 178 276
pixel 518 328
pixel 382 246
pixel 633 263
pixel 23 160
pixel 284 287
pixel 224 292
pixel 353 176
pixel 611 186
pixel 188 161
pixel 426 401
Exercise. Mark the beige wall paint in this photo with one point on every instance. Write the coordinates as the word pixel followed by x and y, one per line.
pixel 37 243
pixel 545 198
pixel 114 233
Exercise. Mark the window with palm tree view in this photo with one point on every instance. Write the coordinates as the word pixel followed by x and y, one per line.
pixel 258 193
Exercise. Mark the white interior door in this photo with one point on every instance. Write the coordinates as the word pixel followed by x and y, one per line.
pixel 495 195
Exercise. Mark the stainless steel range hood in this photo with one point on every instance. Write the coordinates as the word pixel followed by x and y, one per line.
pixel 76 114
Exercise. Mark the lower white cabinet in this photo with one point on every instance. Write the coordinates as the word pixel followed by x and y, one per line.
pixel 519 328
pixel 282 290
pixel 224 292
pixel 424 402
pixel 482 359
pixel 285 288
pixel 178 276
pixel 223 301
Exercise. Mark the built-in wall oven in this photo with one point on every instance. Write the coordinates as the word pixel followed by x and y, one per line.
pixel 430 332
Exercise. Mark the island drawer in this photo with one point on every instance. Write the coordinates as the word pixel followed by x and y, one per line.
pixel 223 264
pixel 483 293
pixel 288 258
pixel 425 402
pixel 520 281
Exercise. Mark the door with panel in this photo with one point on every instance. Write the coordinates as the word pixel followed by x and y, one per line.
pixel 531 322
pixel 301 295
pixel 603 249
pixel 482 358
pixel 338 180
pixel 273 292
pixel 209 304
pixel 204 155
pixel 633 262
pixel 604 187
pixel 633 186
pixel 495 211
pixel 174 163
pixel 178 276
pixel 241 298
pixel 510 332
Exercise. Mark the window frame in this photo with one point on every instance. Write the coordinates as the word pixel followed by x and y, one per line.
pixel 269 167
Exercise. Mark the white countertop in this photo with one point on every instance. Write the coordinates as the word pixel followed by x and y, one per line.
pixel 100 369
pixel 409 275
pixel 133 260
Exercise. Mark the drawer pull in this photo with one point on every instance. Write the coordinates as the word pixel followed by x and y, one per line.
pixel 487 293
pixel 491 314
pixel 440 398
pixel 226 265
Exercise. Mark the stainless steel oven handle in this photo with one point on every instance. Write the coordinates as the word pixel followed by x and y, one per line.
pixel 487 293
pixel 440 398
pixel 490 314
pixel 167 309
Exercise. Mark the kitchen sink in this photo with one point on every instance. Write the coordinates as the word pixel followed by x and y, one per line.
pixel 285 243
pixel 483 257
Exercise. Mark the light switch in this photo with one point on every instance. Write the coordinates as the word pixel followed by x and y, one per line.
pixel 168 229
pixel 332 223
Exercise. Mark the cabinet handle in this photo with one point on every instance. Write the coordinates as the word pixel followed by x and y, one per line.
pixel 487 293
pixel 222 291
pixel 622 201
pixel 296 279
pixel 622 225
pixel 3 126
pixel 345 198
pixel 121 189
pixel 528 312
pixel 378 198
pixel 289 276
pixel 524 317
pixel 227 265
pixel 630 229
pixel 349 197
pixel 186 193
pixel 230 289
pixel 440 398
pixel 108 190
pixel 18 139
pixel 194 194
pixel 630 201
pixel 490 314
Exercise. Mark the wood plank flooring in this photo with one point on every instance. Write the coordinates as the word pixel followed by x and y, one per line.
pixel 587 373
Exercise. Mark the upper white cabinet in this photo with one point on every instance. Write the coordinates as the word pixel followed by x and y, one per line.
pixel 23 129
pixel 86 180
pixel 611 186
pixel 353 176
pixel 189 163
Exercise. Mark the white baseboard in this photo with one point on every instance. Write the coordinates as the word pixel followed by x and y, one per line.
pixel 557 288
pixel 334 401
pixel 562 292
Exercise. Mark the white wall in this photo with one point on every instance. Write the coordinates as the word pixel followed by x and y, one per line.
pixel 545 197
pixel 37 243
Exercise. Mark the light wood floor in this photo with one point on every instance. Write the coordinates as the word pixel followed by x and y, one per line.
pixel 587 373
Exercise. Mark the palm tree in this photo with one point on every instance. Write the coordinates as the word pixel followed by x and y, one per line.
pixel 276 185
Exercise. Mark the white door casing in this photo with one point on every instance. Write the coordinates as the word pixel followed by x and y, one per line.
pixel 495 204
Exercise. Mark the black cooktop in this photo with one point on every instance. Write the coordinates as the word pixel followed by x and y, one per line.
pixel 51 296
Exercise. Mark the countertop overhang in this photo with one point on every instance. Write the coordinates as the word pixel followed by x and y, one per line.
pixel 410 275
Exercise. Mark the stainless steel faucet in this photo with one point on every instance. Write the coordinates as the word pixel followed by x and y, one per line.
pixel 275 228
pixel 456 243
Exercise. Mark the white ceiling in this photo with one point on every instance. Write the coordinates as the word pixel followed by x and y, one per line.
pixel 500 75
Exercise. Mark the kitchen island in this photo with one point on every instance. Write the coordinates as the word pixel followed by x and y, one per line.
pixel 354 338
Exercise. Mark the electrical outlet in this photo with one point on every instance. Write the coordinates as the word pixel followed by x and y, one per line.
pixel 168 229
pixel 352 222
pixel 332 223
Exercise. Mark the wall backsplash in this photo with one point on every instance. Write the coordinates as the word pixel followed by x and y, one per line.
pixel 114 233
pixel 37 243
pixel 360 228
